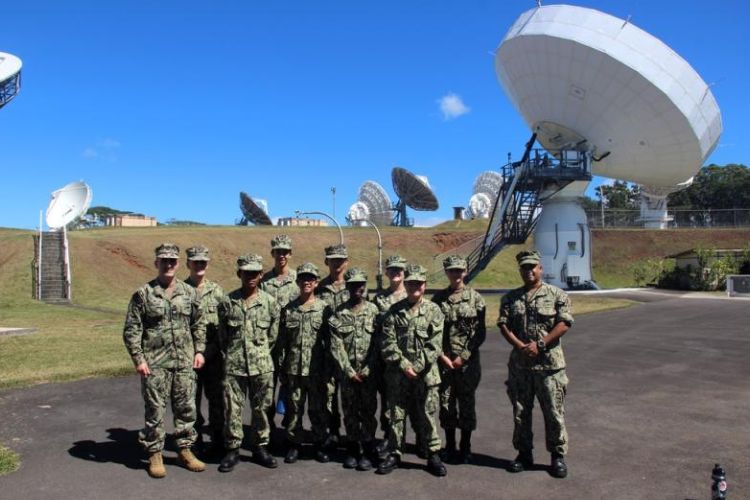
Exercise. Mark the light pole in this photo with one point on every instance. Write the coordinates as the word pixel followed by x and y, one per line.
pixel 379 277
pixel 341 233
pixel 333 192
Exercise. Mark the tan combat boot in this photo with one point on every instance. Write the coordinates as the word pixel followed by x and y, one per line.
pixel 186 458
pixel 156 465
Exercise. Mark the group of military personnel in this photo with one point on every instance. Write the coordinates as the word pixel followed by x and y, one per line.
pixel 306 341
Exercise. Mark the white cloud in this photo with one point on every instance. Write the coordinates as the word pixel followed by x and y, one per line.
pixel 104 149
pixel 452 106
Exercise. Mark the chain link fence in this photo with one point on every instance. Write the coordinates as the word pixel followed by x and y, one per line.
pixel 733 217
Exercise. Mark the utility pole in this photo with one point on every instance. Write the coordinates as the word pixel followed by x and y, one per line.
pixel 333 192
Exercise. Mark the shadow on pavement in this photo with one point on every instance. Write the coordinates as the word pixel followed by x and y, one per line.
pixel 122 448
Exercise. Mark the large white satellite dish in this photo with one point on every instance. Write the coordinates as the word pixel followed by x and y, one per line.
pixel 67 204
pixel 487 187
pixel 575 74
pixel 10 77
pixel 377 201
pixel 594 87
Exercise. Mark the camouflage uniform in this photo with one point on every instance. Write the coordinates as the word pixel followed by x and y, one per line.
pixel 167 333
pixel 464 333
pixel 211 376
pixel 284 289
pixel 303 342
pixel 335 295
pixel 543 377
pixel 249 331
pixel 412 339
pixel 353 352
pixel 384 299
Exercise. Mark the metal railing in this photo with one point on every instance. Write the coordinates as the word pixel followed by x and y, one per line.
pixel 677 218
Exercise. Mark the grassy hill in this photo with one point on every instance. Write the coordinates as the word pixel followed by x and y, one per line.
pixel 109 264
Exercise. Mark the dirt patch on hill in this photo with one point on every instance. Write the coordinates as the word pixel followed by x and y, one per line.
pixel 448 241
pixel 122 253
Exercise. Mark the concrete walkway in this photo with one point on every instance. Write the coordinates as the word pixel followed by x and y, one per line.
pixel 658 393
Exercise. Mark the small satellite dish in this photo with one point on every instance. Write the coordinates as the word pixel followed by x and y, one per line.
pixel 413 190
pixel 580 77
pixel 253 211
pixel 10 77
pixel 358 213
pixel 67 204
pixel 480 206
pixel 489 183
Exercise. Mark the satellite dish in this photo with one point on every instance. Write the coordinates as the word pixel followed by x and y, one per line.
pixel 67 204
pixel 413 191
pixel 480 206
pixel 10 77
pixel 580 77
pixel 377 201
pixel 253 210
pixel 489 183
pixel 358 213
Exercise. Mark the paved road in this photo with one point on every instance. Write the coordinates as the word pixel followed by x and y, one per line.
pixel 658 393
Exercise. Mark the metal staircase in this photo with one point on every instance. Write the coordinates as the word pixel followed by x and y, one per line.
pixel 519 202
pixel 51 270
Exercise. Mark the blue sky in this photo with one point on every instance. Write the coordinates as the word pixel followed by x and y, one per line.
pixel 171 108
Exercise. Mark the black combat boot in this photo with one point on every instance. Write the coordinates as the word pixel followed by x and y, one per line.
pixel 388 465
pixel 558 468
pixel 435 465
pixel 321 455
pixel 292 453
pixel 449 452
pixel 231 459
pixel 364 463
pixel 261 456
pixel 524 461
pixel 465 456
pixel 352 453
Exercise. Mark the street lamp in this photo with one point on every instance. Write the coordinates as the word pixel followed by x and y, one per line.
pixel 379 277
pixel 341 233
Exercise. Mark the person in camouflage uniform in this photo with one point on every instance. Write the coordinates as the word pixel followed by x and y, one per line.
pixel 303 343
pixel 165 335
pixel 210 378
pixel 464 332
pixel 352 334
pixel 249 325
pixel 332 289
pixel 412 340
pixel 281 283
pixel 384 299
pixel 532 320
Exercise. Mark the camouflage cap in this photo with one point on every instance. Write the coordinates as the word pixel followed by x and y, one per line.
pixel 337 252
pixel 167 251
pixel 250 262
pixel 395 261
pixel 528 257
pixel 415 272
pixel 308 268
pixel 198 253
pixel 454 262
pixel 281 242
pixel 355 275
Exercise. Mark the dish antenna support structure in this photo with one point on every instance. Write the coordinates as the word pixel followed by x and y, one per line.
pixel 602 97
pixel 10 77
pixel 52 279
pixel 413 191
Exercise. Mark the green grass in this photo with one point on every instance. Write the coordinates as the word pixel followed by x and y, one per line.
pixel 9 460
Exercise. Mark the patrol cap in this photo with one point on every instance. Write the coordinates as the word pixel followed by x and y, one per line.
pixel 415 272
pixel 167 251
pixel 528 257
pixel 355 275
pixel 281 242
pixel 454 262
pixel 395 260
pixel 198 253
pixel 250 262
pixel 308 268
pixel 337 252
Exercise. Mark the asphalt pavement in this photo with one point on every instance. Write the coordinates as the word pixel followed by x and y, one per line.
pixel 658 393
